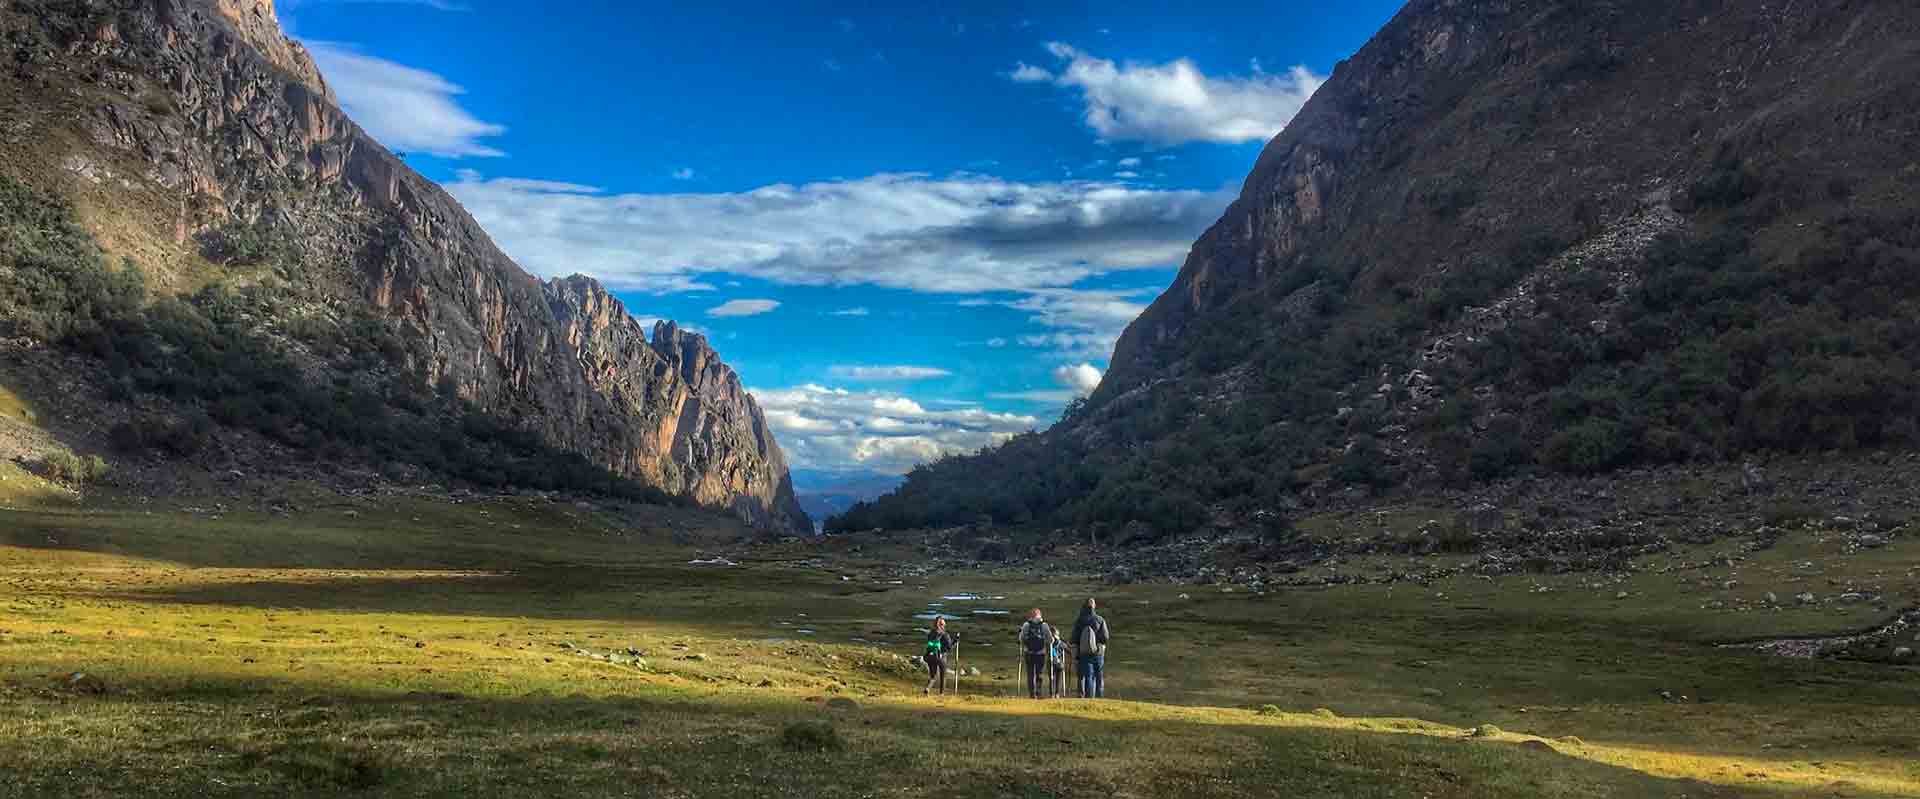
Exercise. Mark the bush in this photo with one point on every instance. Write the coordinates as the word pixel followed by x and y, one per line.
pixel 810 736
pixel 64 466
pixel 61 289
pixel 1781 514
pixel 324 765
pixel 1453 539
pixel 1591 446
pixel 127 437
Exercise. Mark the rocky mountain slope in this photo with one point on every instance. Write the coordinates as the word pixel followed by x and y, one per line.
pixel 1511 240
pixel 195 139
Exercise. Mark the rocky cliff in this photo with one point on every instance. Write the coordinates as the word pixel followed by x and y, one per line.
pixel 1511 239
pixel 179 126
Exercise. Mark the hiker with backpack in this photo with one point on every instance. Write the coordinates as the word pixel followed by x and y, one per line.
pixel 940 644
pixel 1035 635
pixel 1090 650
pixel 1057 665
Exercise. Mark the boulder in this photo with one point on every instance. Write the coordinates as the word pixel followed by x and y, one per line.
pixel 1485 518
pixel 1753 480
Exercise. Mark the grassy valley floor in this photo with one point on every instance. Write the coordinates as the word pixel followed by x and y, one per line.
pixel 414 648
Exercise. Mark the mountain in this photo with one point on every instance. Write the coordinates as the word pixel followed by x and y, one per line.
pixel 1516 239
pixel 195 141
pixel 829 492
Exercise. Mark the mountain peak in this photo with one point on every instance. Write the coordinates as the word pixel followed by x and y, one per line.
pixel 259 26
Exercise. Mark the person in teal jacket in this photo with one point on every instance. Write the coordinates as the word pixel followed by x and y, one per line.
pixel 940 645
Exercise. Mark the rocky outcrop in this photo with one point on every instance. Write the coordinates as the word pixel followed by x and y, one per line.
pixel 666 409
pixel 208 117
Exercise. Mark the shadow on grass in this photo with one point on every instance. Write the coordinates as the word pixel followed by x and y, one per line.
pixel 402 534
pixel 236 738
pixel 576 593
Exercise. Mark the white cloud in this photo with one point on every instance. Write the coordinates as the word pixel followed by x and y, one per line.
pixel 406 109
pixel 1076 380
pixel 1084 323
pixel 1081 378
pixel 1174 103
pixel 743 308
pixel 962 233
pixel 1028 73
pixel 876 373
pixel 1049 396
pixel 822 427
pixel 851 312
pixel 1126 174
pixel 684 173
pixel 1128 162
pixel 996 342
pixel 437 5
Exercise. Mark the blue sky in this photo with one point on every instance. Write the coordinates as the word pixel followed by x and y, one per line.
pixel 911 231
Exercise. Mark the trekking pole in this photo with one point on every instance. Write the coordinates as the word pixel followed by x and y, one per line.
pixel 956 668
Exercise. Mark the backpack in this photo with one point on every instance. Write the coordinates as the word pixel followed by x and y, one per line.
pixel 1090 640
pixel 1035 636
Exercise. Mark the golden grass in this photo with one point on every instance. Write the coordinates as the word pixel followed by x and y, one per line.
pixel 483 660
pixel 12 407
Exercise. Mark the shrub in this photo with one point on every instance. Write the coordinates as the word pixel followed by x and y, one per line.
pixel 1591 446
pixel 1269 710
pixel 1362 464
pixel 127 437
pixel 64 466
pixel 325 765
pixel 810 736
pixel 61 288
pixel 1454 538
pixel 1781 514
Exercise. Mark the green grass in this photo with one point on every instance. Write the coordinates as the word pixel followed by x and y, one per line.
pixel 417 648
pixel 14 408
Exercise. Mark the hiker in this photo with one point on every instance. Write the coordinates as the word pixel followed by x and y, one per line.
pixel 1034 637
pixel 1090 650
pixel 1057 665
pixel 940 644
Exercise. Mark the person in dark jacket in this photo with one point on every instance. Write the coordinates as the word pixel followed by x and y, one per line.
pixel 940 645
pixel 1089 642
pixel 1035 634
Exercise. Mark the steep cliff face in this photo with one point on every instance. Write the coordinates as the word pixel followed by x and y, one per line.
pixel 666 409
pixel 1517 238
pixel 1463 127
pixel 175 122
